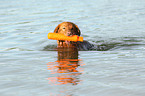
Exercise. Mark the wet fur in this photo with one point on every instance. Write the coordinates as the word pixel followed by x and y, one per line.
pixel 70 29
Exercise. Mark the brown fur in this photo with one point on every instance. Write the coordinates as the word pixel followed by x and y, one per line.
pixel 70 29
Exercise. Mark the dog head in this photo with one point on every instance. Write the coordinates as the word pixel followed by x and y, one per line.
pixel 68 29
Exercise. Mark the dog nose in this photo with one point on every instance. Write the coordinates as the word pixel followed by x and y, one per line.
pixel 69 33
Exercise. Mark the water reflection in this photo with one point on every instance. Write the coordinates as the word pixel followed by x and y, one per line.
pixel 66 68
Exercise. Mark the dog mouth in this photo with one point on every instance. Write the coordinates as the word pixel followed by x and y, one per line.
pixel 66 43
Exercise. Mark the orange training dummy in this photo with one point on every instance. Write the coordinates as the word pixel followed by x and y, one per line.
pixel 58 36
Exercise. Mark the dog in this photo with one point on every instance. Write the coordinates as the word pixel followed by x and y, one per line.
pixel 70 29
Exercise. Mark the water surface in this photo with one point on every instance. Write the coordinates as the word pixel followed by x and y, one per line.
pixel 30 65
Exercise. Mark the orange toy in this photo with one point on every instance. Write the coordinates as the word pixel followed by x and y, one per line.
pixel 58 36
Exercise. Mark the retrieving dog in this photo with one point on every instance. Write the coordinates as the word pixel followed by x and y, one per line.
pixel 70 29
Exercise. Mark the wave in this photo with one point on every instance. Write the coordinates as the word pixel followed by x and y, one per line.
pixel 125 43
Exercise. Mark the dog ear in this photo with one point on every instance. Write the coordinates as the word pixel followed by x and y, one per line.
pixel 56 29
pixel 78 30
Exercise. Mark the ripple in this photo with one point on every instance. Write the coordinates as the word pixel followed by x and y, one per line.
pixel 16 49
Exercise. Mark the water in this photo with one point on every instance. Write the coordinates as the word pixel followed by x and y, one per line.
pixel 30 65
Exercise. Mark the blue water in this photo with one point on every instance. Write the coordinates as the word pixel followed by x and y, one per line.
pixel 30 65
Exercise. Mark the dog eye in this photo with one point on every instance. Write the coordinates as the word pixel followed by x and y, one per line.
pixel 63 27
